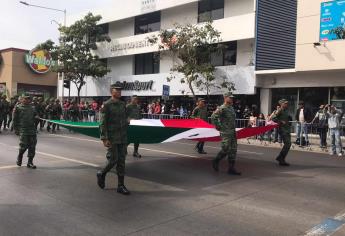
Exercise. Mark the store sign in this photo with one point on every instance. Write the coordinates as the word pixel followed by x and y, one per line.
pixel 40 61
pixel 130 45
pixel 332 16
pixel 134 86
pixel 148 6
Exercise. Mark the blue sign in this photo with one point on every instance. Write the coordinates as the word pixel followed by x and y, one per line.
pixel 166 90
pixel 332 16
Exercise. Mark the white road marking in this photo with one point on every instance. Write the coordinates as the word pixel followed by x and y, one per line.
pixel 8 167
pixel 189 144
pixel 67 159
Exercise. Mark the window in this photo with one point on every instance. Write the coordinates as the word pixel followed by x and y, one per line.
pixel 148 23
pixel 147 63
pixel 210 10
pixel 226 56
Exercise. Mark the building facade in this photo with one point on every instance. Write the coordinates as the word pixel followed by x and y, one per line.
pixel 131 58
pixel 24 71
pixel 300 62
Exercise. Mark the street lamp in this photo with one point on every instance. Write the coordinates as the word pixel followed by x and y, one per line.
pixel 64 23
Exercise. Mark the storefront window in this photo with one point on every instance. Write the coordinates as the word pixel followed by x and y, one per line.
pixel 313 97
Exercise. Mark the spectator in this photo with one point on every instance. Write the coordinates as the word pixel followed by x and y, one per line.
pixel 157 109
pixel 303 117
pixel 334 116
pixel 322 125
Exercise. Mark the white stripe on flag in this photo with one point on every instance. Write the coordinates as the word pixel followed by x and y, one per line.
pixel 147 122
pixel 194 134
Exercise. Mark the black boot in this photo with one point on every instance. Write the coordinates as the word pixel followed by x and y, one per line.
pixel 30 163
pixel 232 170
pixel 136 154
pixel 121 188
pixel 101 179
pixel 215 164
pixel 19 159
pixel 282 162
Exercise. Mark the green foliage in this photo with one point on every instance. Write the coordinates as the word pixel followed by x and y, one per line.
pixel 339 32
pixel 192 46
pixel 74 52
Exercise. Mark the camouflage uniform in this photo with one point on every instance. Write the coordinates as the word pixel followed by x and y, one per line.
pixel 200 113
pixel 282 117
pixel 113 128
pixel 224 118
pixel 24 125
pixel 5 113
pixel 133 111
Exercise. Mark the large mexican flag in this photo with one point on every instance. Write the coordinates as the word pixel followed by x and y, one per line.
pixel 162 131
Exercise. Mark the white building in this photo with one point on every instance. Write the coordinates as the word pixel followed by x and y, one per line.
pixel 129 56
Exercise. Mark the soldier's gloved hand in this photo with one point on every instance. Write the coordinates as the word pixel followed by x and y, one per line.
pixel 106 143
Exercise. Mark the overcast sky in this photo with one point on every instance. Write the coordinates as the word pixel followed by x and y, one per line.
pixel 25 27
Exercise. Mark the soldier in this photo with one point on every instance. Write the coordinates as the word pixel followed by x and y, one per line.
pixel 113 129
pixel 200 112
pixel 13 103
pixel 24 125
pixel 224 119
pixel 2 111
pixel 283 119
pixel 133 111
pixel 6 111
pixel 40 113
pixel 49 112
pixel 56 113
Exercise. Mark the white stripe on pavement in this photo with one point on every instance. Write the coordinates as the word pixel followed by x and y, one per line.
pixel 67 159
pixel 256 153
pixel 8 167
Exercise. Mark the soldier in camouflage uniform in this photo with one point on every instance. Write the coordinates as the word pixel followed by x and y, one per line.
pixel 2 111
pixel 283 119
pixel 113 129
pixel 224 118
pixel 133 111
pixel 6 111
pixel 24 117
pixel 40 112
pixel 13 103
pixel 56 113
pixel 200 112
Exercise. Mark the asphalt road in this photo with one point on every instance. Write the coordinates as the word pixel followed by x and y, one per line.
pixel 174 191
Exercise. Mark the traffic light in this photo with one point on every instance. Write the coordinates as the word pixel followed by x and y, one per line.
pixel 67 83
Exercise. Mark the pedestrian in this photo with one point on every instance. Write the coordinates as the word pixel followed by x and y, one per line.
pixel 303 117
pixel 133 111
pixel 113 128
pixel 282 118
pixel 334 117
pixel 322 125
pixel 24 117
pixel 224 119
pixel 200 112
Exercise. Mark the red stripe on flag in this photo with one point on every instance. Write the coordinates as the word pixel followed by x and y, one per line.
pixel 186 123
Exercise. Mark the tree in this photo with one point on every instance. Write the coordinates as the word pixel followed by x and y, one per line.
pixel 339 32
pixel 191 47
pixel 74 52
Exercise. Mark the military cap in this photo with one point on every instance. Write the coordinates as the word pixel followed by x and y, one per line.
pixel 228 94
pixel 201 100
pixel 282 101
pixel 116 87
pixel 26 95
